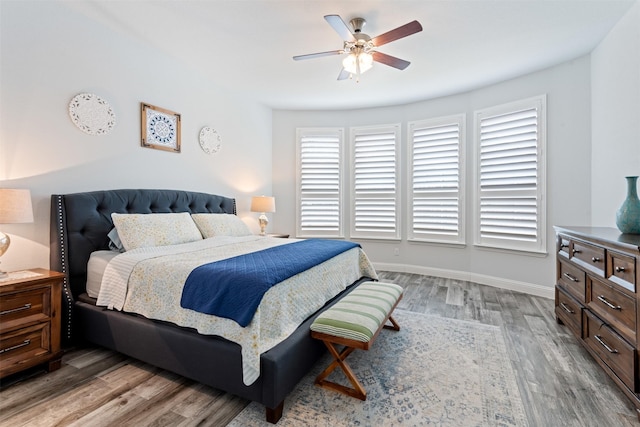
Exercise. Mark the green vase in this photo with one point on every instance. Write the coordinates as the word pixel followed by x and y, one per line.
pixel 628 216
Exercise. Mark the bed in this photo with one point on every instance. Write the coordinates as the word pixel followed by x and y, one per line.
pixel 80 226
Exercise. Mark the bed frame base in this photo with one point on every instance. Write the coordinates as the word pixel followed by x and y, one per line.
pixel 80 223
pixel 274 414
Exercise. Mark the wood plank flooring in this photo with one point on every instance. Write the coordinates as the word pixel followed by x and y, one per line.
pixel 559 382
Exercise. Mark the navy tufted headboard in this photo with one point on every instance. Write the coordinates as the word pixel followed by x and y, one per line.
pixel 80 223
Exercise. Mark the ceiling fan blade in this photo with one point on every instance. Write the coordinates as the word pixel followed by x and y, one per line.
pixel 344 74
pixel 391 61
pixel 400 32
pixel 341 28
pixel 318 55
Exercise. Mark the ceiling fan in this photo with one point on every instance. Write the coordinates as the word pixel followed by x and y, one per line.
pixel 361 49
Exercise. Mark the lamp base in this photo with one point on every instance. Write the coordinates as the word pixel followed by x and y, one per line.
pixel 264 221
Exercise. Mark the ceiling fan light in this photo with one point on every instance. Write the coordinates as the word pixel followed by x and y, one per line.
pixel 349 63
pixel 358 63
pixel 366 61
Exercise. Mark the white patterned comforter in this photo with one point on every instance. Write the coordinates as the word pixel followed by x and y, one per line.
pixel 149 281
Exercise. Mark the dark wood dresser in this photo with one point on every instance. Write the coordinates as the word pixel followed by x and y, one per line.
pixel 597 276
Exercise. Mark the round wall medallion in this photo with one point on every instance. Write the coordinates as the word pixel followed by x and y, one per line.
pixel 209 140
pixel 92 114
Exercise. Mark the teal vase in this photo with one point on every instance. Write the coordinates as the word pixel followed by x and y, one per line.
pixel 628 216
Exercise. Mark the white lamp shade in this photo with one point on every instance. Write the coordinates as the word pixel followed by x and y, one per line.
pixel 263 204
pixel 15 206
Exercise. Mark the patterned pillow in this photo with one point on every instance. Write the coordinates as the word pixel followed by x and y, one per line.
pixel 162 229
pixel 211 225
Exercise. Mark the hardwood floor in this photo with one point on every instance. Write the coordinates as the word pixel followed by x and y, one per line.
pixel 559 382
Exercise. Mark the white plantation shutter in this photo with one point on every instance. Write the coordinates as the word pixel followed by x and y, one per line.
pixel 510 206
pixel 375 183
pixel 319 182
pixel 436 202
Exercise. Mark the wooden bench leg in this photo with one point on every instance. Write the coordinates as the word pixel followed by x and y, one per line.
pixel 395 326
pixel 357 391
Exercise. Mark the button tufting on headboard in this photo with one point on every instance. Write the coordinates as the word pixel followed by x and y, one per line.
pixel 80 223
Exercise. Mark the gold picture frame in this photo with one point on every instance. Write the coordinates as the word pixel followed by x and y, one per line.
pixel 160 128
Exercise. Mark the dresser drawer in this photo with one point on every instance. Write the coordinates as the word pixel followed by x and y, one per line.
pixel 26 345
pixel 614 306
pixel 621 269
pixel 572 279
pixel 569 311
pixel 612 349
pixel 563 246
pixel 589 256
pixel 23 308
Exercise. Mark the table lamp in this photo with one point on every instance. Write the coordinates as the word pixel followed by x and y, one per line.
pixel 15 207
pixel 263 204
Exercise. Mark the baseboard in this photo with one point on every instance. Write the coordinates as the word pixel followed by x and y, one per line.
pixel 497 282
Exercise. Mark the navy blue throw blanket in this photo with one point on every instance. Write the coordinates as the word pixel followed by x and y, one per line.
pixel 233 288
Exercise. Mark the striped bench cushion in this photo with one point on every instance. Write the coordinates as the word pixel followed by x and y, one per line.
pixel 359 315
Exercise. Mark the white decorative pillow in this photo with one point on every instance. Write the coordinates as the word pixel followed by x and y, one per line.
pixel 162 229
pixel 211 225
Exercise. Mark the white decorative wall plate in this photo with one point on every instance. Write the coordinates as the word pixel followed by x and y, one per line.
pixel 210 140
pixel 92 114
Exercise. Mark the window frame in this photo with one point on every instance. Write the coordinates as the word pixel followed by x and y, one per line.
pixel 370 130
pixel 412 235
pixel 539 245
pixel 337 132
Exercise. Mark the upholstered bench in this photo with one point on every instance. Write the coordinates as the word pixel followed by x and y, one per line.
pixel 355 322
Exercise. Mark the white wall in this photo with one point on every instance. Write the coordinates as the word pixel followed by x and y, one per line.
pixel 49 54
pixel 615 88
pixel 568 164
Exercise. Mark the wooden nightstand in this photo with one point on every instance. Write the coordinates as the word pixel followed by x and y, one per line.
pixel 30 309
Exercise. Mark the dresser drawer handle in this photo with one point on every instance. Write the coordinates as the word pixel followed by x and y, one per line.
pixel 576 251
pixel 15 347
pixel 604 344
pixel 27 306
pixel 620 270
pixel 606 302
pixel 595 259
pixel 566 308
pixel 562 246
pixel 570 277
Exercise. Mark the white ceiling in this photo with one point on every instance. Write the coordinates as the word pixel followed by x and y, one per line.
pixel 248 45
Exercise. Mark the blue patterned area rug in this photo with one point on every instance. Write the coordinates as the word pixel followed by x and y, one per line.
pixel 434 371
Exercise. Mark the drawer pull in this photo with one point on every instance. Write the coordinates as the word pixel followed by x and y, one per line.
pixel 566 308
pixel 563 245
pixel 576 251
pixel 595 259
pixel 570 277
pixel 15 347
pixel 620 269
pixel 606 302
pixel 27 306
pixel 604 344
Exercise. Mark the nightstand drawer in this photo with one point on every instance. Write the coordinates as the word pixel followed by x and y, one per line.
pixel 618 354
pixel 572 279
pixel 23 308
pixel 24 345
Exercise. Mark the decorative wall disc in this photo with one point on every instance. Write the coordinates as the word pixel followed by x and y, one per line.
pixel 210 140
pixel 92 114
